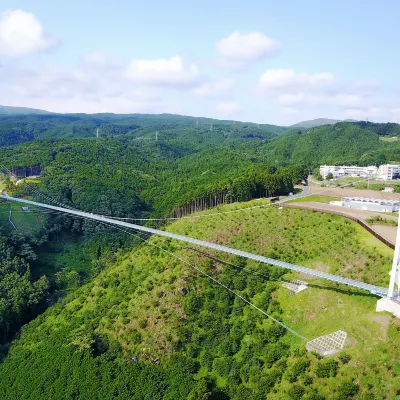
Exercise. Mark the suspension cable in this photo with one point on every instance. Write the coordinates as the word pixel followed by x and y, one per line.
pixel 211 278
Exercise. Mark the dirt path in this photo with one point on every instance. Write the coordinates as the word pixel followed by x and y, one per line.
pixel 388 232
pixel 351 192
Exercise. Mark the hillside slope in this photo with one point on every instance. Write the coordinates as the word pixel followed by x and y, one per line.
pixel 315 122
pixel 8 110
pixel 22 128
pixel 150 327
pixel 319 122
pixel 345 142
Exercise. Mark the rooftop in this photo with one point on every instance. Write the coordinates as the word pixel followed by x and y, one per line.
pixel 371 200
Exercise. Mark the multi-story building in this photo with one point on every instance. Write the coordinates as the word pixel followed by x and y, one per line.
pixel 389 171
pixel 345 170
pixel 386 171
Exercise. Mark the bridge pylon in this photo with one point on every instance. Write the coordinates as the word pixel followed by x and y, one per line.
pixel 391 303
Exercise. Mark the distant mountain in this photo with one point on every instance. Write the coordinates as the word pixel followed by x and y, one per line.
pixel 8 110
pixel 348 143
pixel 319 122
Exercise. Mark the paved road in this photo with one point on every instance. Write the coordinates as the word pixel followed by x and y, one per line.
pixel 305 192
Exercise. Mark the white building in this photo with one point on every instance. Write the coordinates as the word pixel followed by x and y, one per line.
pixel 364 203
pixel 344 170
pixel 385 172
pixel 389 171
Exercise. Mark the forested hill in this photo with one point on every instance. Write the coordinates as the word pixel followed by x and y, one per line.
pixel 8 110
pixel 342 143
pixel 24 128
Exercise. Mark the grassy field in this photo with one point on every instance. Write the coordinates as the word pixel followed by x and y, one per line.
pixel 26 223
pixel 388 139
pixel 316 198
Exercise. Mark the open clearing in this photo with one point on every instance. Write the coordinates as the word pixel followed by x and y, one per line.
pixel 351 192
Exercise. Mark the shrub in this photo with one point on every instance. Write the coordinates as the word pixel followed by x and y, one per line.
pixel 326 369
pixel 296 392
pixel 344 358
pixel 300 366
pixel 142 323
pixel 222 366
pixel 347 390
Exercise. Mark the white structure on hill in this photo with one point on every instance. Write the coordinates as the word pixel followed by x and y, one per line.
pixel 386 171
pixel 364 203
pixel 344 170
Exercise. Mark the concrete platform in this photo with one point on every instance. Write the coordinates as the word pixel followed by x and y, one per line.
pixel 389 305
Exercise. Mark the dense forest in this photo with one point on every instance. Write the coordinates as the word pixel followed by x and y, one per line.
pixel 148 327
pixel 88 312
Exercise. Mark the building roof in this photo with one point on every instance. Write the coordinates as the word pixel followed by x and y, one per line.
pixel 372 201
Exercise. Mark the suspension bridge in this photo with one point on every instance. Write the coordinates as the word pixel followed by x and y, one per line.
pixel 376 290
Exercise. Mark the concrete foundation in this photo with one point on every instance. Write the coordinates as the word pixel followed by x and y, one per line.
pixel 328 344
pixel 388 305
pixel 295 286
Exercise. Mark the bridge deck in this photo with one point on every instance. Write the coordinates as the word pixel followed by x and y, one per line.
pixel 377 290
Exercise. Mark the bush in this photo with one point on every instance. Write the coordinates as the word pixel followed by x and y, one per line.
pixel 201 390
pixel 222 366
pixel 296 392
pixel 300 366
pixel 347 390
pixel 314 396
pixel 326 369
pixel 344 358
pixel 142 323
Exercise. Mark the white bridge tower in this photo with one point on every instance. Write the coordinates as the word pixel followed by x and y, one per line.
pixel 391 303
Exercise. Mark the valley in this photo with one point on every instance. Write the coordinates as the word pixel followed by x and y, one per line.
pixel 130 307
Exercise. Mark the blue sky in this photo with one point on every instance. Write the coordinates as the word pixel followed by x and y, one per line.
pixel 261 61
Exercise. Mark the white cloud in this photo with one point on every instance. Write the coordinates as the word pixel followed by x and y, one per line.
pixel 228 108
pixel 372 113
pixel 96 59
pixel 101 60
pixel 22 34
pixel 251 46
pixel 290 99
pixel 82 89
pixel 289 111
pixel 240 50
pixel 290 80
pixel 163 72
pixel 320 99
pixel 369 84
pixel 215 88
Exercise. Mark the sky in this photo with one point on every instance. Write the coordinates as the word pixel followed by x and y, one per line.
pixel 277 62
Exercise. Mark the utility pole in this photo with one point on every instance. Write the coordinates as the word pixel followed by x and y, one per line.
pixel 97 132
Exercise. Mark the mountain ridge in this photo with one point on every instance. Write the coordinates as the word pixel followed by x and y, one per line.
pixel 319 122
pixel 10 110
